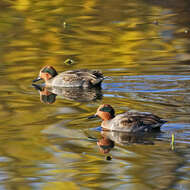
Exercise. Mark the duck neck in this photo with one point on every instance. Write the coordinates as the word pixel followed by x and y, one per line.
pixel 107 116
pixel 45 76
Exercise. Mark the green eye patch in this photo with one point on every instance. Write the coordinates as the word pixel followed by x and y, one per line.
pixel 51 71
pixel 109 110
pixel 106 109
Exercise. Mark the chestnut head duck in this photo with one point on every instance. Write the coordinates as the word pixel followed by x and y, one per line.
pixel 128 121
pixel 73 78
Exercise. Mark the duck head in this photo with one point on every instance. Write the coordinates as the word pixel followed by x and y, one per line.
pixel 46 73
pixel 105 145
pixel 105 112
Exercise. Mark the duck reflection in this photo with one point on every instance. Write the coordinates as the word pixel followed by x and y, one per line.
pixel 124 138
pixel 110 138
pixel 48 95
pixel 105 144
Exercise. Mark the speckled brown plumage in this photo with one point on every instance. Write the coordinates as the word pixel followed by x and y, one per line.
pixel 128 121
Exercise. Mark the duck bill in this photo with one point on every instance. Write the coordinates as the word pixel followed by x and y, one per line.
pixel 37 87
pixel 37 79
pixel 93 116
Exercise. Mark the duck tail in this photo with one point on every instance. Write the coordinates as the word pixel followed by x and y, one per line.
pixel 97 73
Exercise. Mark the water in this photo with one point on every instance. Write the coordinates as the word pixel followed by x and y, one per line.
pixel 143 48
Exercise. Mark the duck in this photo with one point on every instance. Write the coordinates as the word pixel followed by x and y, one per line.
pixel 130 121
pixel 72 78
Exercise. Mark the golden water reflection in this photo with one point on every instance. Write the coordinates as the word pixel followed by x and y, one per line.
pixel 141 45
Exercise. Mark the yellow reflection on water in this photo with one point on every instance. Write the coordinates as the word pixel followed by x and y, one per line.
pixel 121 38
pixel 60 185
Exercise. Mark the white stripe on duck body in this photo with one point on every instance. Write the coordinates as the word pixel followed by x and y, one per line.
pixel 129 121
pixel 73 78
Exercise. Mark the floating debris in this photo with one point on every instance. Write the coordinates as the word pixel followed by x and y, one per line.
pixel 186 31
pixel 108 158
pixel 173 142
pixel 68 62
pixel 64 24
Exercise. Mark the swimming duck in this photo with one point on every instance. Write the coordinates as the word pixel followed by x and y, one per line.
pixel 128 121
pixel 73 78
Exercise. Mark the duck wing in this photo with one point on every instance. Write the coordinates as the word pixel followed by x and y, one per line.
pixel 87 77
pixel 91 77
pixel 136 122
pixel 77 78
pixel 66 79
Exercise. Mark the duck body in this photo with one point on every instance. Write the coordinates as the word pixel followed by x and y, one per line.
pixel 133 122
pixel 130 122
pixel 76 78
pixel 73 78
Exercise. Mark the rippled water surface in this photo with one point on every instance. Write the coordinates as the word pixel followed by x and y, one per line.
pixel 143 46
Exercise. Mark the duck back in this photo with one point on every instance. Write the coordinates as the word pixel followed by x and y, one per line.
pixel 77 78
